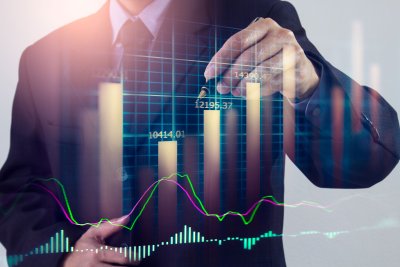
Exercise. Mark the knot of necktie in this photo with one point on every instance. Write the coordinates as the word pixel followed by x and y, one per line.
pixel 135 37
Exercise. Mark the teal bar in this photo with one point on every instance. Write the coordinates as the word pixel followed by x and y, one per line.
pixel 144 252
pixel 190 235
pixel 202 239
pixel 130 253
pixel 194 237
pixel 172 240
pixel 41 249
pixel 134 253
pixel 249 244
pixel 270 233
pixel 67 244
pixel 51 244
pixel 245 243
pixel 153 248
pixel 36 251
pixel 57 242
pixel 220 242
pixel 47 248
pixel 180 238
pixel 139 252
pixel 148 250
pixel 62 241
pixel 176 238
pixel 184 234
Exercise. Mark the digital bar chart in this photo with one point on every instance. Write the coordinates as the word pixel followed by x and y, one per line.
pixel 212 158
pixel 253 136
pixel 110 148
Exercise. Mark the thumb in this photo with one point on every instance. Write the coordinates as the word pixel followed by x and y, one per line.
pixel 108 228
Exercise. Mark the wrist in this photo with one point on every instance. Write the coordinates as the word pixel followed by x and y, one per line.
pixel 311 85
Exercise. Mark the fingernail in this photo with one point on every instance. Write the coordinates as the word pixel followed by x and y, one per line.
pixel 222 87
pixel 236 92
pixel 120 219
pixel 209 72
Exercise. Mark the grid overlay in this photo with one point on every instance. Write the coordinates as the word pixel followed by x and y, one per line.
pixel 160 105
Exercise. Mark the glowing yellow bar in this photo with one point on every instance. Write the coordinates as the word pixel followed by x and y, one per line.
pixel 253 132
pixel 167 199
pixel 167 158
pixel 212 159
pixel 110 148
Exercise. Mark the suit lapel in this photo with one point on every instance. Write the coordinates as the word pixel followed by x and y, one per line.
pixel 87 59
pixel 179 57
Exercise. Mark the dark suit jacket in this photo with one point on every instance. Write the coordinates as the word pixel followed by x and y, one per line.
pixel 55 79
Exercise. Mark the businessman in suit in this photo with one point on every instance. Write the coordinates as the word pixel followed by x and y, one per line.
pixel 56 72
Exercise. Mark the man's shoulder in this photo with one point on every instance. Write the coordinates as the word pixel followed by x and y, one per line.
pixel 241 13
pixel 70 36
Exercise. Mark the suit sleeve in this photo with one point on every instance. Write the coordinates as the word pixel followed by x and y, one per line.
pixel 28 214
pixel 346 135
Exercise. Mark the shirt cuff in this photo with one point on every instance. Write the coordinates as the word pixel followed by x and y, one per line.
pixel 317 107
pixel 301 105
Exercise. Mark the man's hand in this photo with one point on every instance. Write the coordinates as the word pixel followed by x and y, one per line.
pixel 94 239
pixel 256 53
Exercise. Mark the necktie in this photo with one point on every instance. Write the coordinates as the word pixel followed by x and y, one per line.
pixel 135 39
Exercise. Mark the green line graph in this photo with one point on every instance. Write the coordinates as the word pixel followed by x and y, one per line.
pixel 246 217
